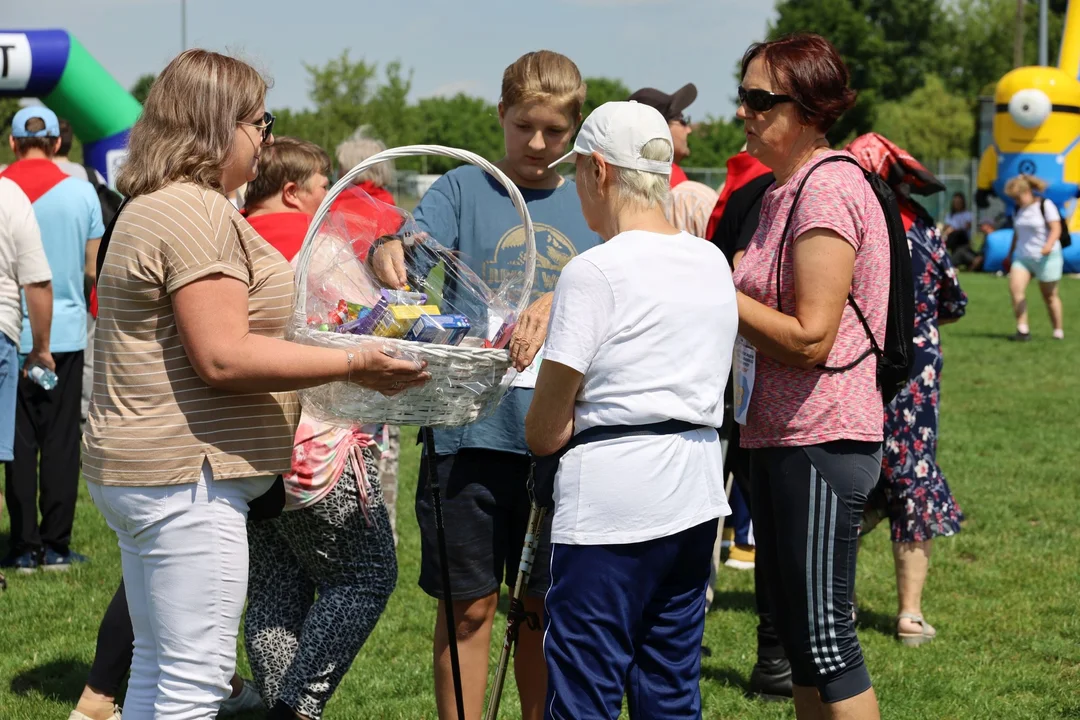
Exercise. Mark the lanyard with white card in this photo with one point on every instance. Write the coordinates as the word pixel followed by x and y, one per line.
pixel 527 377
pixel 744 362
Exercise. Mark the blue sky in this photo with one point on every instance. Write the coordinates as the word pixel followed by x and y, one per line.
pixel 459 46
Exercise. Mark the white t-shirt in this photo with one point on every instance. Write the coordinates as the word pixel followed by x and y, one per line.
pixel 650 321
pixel 22 257
pixel 1031 229
pixel 959 221
pixel 77 170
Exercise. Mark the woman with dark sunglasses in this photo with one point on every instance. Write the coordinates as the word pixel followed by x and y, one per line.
pixel 812 421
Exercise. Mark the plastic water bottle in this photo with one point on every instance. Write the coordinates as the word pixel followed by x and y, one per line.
pixel 43 376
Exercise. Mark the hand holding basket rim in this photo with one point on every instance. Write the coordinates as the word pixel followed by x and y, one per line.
pixel 381 370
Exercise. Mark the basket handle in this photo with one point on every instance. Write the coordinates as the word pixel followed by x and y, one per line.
pixel 346 182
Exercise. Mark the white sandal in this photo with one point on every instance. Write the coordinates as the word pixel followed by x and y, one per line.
pixel 926 634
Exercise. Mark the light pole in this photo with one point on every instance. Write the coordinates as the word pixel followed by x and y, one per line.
pixel 1018 37
pixel 1044 51
pixel 183 25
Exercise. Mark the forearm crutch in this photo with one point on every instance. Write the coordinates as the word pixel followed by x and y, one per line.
pixel 714 563
pixel 517 613
pixel 444 561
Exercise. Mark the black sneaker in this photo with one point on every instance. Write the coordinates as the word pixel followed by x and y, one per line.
pixel 1021 337
pixel 771 679
pixel 24 563
pixel 59 562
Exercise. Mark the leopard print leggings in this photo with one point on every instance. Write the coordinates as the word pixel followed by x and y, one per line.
pixel 300 646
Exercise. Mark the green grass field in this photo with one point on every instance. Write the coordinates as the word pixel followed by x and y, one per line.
pixel 1003 594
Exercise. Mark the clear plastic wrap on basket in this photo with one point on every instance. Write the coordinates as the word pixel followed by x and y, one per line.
pixel 445 316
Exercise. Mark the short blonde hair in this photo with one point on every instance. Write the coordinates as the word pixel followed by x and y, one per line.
pixel 1017 186
pixel 544 76
pixel 357 148
pixel 647 188
pixel 287 160
pixel 188 122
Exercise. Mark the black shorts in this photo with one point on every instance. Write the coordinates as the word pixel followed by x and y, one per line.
pixel 485 505
pixel 807 504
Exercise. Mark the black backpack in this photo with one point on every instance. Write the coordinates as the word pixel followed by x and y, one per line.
pixel 1065 239
pixel 110 199
pixel 896 359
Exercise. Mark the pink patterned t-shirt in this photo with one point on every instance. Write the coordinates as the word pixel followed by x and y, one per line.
pixel 789 406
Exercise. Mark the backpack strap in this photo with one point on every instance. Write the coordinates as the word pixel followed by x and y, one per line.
pixel 91 175
pixel 874 349
pixel 104 246
pixel 1042 208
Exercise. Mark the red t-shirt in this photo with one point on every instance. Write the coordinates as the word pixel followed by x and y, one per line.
pixel 284 230
pixel 741 169
pixel 677 175
pixel 789 406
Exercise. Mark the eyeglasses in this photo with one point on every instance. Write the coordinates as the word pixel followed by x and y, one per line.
pixel 761 101
pixel 683 120
pixel 266 127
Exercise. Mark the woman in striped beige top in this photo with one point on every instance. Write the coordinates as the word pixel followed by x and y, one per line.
pixel 193 410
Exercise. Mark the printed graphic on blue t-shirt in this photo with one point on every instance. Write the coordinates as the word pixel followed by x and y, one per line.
pixel 553 250
pixel 469 211
pixel 69 214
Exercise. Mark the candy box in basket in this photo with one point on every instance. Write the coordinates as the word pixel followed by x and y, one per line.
pixel 366 320
pixel 440 329
pixel 399 318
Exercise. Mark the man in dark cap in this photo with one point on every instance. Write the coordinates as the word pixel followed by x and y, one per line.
pixel 673 108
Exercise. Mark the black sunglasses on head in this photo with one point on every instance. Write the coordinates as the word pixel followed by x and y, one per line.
pixel 266 127
pixel 761 100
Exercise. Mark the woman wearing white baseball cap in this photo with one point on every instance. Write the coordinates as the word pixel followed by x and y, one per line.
pixel 630 393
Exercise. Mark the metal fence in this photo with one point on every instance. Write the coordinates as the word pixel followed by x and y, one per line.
pixel 958 175
pixel 713 177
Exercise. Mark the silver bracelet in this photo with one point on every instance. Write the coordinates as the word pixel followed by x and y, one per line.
pixel 349 356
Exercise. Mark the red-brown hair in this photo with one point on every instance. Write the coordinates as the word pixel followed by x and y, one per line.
pixel 807 67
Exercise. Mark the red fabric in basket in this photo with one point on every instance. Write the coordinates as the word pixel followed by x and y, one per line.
pixel 365 221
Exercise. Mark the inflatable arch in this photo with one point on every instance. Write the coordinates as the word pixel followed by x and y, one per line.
pixel 53 66
pixel 1037 132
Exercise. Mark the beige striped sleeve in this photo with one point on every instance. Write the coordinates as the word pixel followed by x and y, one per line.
pixel 199 237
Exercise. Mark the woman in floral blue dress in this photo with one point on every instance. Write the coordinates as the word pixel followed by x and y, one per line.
pixel 913 492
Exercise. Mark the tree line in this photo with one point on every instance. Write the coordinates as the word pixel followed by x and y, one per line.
pixel 920 67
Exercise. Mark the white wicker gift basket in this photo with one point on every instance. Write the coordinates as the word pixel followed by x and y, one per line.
pixel 467 381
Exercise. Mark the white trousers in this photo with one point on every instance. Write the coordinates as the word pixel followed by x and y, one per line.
pixel 185 558
pixel 88 367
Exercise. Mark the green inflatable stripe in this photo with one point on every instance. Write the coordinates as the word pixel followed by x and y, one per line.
pixel 91 99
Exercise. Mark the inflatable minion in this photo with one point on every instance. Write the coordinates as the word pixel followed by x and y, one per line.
pixel 1037 132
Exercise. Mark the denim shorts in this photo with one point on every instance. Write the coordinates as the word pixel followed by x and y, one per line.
pixel 485 504
pixel 1045 268
pixel 9 385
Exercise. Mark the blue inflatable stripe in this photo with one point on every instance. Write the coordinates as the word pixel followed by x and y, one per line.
pixel 997 245
pixel 50 49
